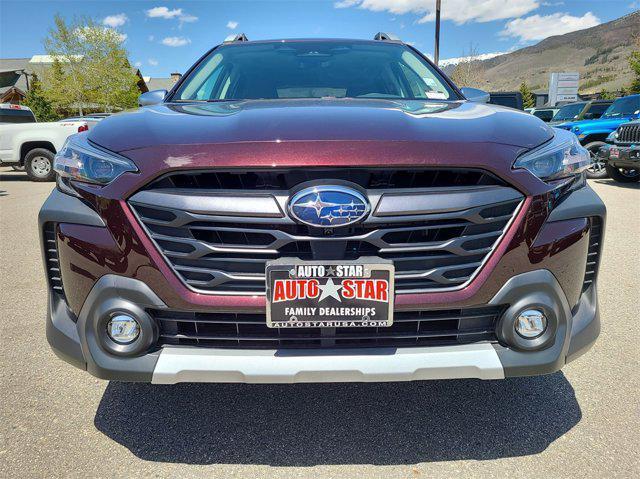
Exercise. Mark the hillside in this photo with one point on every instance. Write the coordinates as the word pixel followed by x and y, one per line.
pixel 598 53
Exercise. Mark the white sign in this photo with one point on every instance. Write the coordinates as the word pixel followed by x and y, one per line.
pixel 563 87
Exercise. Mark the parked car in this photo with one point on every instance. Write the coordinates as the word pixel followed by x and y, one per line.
pixel 32 146
pixel 512 99
pixel 10 113
pixel 621 155
pixel 91 119
pixel 581 110
pixel 593 133
pixel 545 114
pixel 317 211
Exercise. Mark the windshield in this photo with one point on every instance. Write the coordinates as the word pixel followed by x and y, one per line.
pixel 626 106
pixel 311 69
pixel 569 112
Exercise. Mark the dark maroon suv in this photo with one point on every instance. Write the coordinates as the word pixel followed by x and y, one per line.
pixel 316 211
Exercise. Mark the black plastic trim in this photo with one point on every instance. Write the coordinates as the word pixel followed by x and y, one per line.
pixel 538 288
pixel 62 208
pixel 581 203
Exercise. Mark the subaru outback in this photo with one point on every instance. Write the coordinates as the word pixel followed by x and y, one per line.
pixel 320 211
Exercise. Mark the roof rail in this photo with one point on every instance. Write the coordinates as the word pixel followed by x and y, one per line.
pixel 381 36
pixel 236 37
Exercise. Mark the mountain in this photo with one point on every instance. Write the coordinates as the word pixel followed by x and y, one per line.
pixel 598 53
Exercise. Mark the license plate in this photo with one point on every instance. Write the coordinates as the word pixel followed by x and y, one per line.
pixel 329 294
pixel 614 153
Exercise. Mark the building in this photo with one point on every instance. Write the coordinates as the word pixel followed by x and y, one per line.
pixel 162 83
pixel 14 80
pixel 16 73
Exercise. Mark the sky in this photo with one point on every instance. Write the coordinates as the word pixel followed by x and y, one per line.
pixel 162 37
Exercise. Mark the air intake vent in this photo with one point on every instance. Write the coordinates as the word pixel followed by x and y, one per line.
pixel 593 257
pixel 52 260
pixel 249 331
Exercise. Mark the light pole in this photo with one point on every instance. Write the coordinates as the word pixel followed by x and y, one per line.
pixel 436 50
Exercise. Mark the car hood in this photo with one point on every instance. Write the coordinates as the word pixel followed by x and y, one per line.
pixel 600 124
pixel 318 120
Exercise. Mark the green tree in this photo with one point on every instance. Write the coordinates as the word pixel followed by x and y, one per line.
pixel 35 99
pixel 528 98
pixel 90 68
pixel 607 95
pixel 634 63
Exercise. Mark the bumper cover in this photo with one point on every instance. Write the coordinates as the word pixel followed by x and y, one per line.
pixel 77 342
pixel 625 156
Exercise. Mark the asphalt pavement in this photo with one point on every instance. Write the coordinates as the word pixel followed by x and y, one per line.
pixel 57 421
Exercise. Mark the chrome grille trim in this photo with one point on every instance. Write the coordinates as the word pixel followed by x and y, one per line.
pixel 230 261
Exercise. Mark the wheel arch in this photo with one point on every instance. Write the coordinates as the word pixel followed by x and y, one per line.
pixel 596 136
pixel 27 146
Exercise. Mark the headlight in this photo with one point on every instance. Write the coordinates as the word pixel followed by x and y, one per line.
pixel 612 136
pixel 561 157
pixel 80 160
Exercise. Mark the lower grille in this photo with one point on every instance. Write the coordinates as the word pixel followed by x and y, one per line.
pixel 249 331
pixel 51 258
pixel 593 256
pixel 629 133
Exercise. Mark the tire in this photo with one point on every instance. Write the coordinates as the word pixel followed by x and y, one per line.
pixel 622 175
pixel 17 167
pixel 39 165
pixel 596 170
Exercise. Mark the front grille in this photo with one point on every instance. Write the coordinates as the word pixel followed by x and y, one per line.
pixel 223 249
pixel 593 255
pixel 629 133
pixel 285 179
pixel 52 262
pixel 249 331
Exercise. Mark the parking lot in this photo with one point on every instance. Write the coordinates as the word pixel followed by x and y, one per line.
pixel 59 421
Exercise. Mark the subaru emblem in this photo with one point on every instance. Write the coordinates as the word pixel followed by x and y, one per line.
pixel 328 206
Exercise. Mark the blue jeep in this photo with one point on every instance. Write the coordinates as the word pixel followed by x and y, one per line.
pixel 593 133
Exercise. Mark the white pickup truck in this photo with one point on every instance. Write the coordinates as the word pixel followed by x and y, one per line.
pixel 33 145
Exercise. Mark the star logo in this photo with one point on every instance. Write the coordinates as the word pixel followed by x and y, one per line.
pixel 317 205
pixel 330 289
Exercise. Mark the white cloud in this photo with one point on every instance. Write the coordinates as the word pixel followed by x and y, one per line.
pixel 153 62
pixel 232 25
pixel 175 41
pixel 114 21
pixel 137 64
pixel 176 13
pixel 186 18
pixel 345 3
pixel 458 11
pixel 163 12
pixel 538 27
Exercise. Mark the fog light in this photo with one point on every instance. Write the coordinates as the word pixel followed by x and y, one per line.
pixel 531 323
pixel 123 329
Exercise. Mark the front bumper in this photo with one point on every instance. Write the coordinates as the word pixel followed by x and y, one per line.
pixel 621 156
pixel 76 341
pixel 551 267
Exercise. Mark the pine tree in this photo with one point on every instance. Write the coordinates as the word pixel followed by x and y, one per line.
pixel 35 99
pixel 528 98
